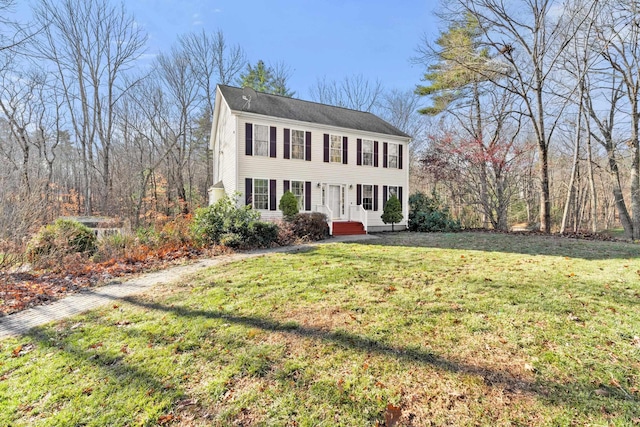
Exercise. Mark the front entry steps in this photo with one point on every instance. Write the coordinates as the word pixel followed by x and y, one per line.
pixel 348 228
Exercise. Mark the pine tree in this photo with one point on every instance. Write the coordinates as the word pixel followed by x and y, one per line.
pixel 392 212
pixel 263 78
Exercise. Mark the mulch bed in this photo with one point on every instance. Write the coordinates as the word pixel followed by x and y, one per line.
pixel 22 290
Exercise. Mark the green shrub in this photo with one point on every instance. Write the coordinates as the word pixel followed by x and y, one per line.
pixel 223 217
pixel 61 238
pixel 229 225
pixel 288 205
pixel 310 226
pixel 261 234
pixel 392 211
pixel 428 214
pixel 231 240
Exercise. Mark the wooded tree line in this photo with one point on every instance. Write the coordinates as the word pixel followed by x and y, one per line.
pixel 531 117
pixel 90 125
pixel 536 104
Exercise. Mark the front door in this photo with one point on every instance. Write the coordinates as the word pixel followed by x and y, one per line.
pixel 335 200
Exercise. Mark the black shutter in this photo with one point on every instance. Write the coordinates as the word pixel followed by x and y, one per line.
pixel 272 142
pixel 307 146
pixel 248 130
pixel 307 196
pixel 272 195
pixel 375 153
pixel 286 185
pixel 399 156
pixel 384 196
pixel 345 151
pixel 375 197
pixel 359 152
pixel 248 191
pixel 385 153
pixel 287 144
pixel 358 194
pixel 326 148
pixel 400 196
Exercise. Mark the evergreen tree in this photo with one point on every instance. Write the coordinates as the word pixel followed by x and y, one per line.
pixel 392 212
pixel 288 205
pixel 263 78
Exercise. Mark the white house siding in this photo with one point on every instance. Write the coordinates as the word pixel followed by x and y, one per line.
pixel 317 171
pixel 225 155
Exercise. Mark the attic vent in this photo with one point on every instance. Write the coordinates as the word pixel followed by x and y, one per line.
pixel 248 94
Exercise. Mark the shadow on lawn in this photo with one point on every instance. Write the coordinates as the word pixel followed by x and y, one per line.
pixel 551 245
pixel 552 392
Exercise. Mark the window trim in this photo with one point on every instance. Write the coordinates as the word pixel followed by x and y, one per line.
pixel 301 200
pixel 304 144
pixel 364 187
pixel 255 141
pixel 364 152
pixel 392 156
pixel 331 149
pixel 253 193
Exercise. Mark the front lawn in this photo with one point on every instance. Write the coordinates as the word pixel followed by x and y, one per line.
pixel 411 329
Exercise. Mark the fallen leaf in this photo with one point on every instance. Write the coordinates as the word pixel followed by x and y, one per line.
pixel 16 351
pixel 529 367
pixel 392 415
pixel 166 419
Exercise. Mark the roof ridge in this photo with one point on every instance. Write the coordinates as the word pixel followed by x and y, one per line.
pixel 304 100
pixel 309 111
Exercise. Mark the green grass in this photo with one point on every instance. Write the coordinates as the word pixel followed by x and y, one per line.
pixel 453 329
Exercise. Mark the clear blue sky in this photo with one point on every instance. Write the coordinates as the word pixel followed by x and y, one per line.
pixel 332 38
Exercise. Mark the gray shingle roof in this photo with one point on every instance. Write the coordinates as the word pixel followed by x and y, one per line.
pixel 306 111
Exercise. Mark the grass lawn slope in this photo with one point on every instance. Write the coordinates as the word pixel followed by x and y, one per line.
pixel 467 329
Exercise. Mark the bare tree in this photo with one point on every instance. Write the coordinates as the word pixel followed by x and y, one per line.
pixel 354 92
pixel 91 45
pixel 619 36
pixel 529 39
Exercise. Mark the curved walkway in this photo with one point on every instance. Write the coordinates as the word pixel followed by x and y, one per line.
pixel 20 323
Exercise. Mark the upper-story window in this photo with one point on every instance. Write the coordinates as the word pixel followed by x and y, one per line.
pixel 336 149
pixel 367 152
pixel 260 140
pixel 297 144
pixel 393 156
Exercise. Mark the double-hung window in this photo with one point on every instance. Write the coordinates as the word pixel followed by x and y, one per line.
pixel 367 152
pixel 297 144
pixel 393 156
pixel 261 194
pixel 297 188
pixel 392 191
pixel 260 140
pixel 367 197
pixel 336 149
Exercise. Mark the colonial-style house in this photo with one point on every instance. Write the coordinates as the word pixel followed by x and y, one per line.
pixel 343 163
